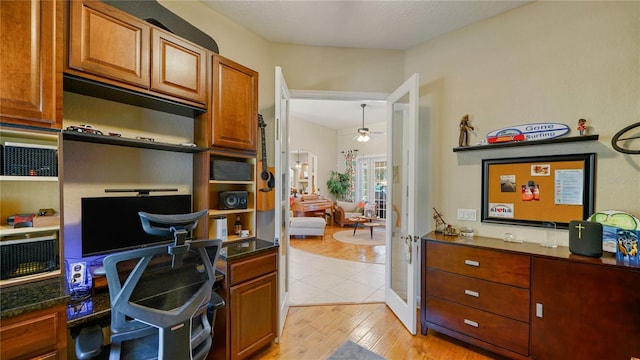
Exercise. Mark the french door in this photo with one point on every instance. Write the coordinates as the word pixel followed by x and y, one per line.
pixel 401 265
pixel 372 182
pixel 281 217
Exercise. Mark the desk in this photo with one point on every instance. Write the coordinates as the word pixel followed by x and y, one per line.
pixel 97 309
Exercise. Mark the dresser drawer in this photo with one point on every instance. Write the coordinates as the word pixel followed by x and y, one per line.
pixel 484 264
pixel 498 330
pixel 506 300
pixel 252 267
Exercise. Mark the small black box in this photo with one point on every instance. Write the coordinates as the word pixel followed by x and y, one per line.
pixel 585 238
pixel 230 170
pixel 29 160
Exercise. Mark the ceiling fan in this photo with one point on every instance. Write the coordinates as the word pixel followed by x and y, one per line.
pixel 364 134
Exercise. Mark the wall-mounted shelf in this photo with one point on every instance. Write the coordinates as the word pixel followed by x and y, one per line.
pixel 528 143
pixel 120 141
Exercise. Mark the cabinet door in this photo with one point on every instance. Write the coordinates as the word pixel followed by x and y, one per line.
pixel 178 67
pixel 234 123
pixel 40 334
pixel 109 43
pixel 587 311
pixel 254 320
pixel 30 63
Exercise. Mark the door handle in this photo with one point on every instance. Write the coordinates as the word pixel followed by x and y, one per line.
pixel 408 248
pixel 472 263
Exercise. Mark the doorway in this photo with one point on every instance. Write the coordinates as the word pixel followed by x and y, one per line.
pixel 317 278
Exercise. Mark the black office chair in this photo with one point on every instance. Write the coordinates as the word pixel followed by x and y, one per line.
pixel 159 309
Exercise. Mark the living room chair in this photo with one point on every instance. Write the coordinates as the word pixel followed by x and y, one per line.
pixel 345 211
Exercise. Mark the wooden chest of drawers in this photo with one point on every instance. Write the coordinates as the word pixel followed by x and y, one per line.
pixel 480 296
pixel 478 290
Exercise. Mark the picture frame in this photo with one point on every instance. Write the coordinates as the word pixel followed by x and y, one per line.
pixel 537 190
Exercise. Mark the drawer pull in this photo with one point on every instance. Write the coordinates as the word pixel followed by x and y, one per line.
pixel 472 263
pixel 472 293
pixel 470 323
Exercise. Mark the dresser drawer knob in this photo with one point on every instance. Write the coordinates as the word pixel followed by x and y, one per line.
pixel 472 263
pixel 472 293
pixel 470 322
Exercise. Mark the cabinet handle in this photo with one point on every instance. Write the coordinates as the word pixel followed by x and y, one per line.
pixel 472 263
pixel 539 310
pixel 470 323
pixel 472 293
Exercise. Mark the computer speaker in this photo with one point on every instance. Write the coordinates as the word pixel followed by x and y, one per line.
pixel 585 238
pixel 232 200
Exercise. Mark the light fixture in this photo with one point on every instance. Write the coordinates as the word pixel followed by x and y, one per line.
pixel 363 132
pixel 298 164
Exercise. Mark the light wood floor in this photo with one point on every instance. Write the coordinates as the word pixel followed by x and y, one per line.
pixel 315 332
pixel 336 249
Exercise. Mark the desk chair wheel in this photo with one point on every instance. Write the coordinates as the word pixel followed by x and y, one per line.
pixel 89 342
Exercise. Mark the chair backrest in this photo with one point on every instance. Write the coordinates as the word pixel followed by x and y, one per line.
pixel 160 295
pixel 156 291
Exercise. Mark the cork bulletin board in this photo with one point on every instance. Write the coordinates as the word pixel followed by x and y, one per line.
pixel 534 191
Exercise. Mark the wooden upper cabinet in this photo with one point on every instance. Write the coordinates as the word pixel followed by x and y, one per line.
pixel 107 42
pixel 31 63
pixel 234 110
pixel 178 67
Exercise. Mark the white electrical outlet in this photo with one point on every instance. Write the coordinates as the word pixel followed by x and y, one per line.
pixel 467 214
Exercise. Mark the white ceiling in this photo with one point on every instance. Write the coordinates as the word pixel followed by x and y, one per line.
pixel 338 114
pixel 373 24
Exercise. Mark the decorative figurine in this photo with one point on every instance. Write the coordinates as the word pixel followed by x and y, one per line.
pixel 582 127
pixel 440 223
pixel 463 140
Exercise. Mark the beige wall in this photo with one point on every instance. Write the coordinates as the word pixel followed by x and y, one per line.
pixel 543 62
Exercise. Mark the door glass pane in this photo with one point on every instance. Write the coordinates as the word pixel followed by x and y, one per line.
pixel 380 187
pixel 364 181
pixel 399 280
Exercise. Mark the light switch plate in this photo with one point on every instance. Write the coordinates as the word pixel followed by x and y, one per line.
pixel 467 214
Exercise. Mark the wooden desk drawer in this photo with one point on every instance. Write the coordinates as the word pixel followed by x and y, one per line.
pixel 252 267
pixel 506 300
pixel 498 330
pixel 484 264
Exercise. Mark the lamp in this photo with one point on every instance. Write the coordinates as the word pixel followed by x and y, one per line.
pixel 363 132
pixel 363 138
pixel 298 164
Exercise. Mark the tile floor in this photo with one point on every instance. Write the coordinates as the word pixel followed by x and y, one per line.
pixel 316 279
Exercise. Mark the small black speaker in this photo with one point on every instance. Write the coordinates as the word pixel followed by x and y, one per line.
pixel 585 238
pixel 232 200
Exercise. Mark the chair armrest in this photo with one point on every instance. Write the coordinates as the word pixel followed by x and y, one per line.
pixel 339 212
pixel 216 301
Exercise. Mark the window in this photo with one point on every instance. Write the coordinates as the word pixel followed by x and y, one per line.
pixel 371 183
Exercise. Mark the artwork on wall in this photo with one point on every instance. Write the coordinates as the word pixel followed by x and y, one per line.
pixel 533 191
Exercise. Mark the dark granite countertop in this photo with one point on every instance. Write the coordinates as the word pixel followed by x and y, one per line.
pixel 20 299
pixel 239 249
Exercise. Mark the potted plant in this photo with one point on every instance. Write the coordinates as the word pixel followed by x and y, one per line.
pixel 338 184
